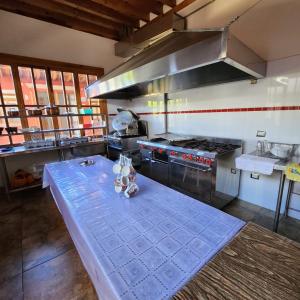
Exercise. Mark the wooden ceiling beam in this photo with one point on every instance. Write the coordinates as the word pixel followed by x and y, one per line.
pixel 162 23
pixel 31 11
pixel 64 9
pixel 147 6
pixel 171 3
pixel 25 61
pixel 143 37
pixel 124 8
pixel 183 5
pixel 103 11
pixel 173 10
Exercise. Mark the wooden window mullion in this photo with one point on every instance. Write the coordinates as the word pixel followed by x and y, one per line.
pixel 20 98
pixel 78 99
pixel 37 100
pixel 51 96
pixel 90 102
pixel 4 114
pixel 66 101
pixel 103 110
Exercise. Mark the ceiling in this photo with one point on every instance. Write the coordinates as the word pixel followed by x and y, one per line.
pixel 269 27
pixel 112 19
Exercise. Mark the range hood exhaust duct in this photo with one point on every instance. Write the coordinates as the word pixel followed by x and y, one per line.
pixel 181 60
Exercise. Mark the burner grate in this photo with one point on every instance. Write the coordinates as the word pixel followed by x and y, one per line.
pixel 205 145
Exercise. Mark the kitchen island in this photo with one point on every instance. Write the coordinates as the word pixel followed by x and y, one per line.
pixel 162 244
pixel 147 247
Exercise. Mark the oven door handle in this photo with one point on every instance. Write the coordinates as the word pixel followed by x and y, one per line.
pixel 158 161
pixel 205 170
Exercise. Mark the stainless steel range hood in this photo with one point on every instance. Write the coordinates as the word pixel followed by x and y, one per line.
pixel 181 60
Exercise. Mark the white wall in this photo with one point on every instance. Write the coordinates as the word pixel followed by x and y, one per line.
pixel 281 87
pixel 25 36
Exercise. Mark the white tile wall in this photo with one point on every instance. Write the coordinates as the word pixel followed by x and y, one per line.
pixel 280 88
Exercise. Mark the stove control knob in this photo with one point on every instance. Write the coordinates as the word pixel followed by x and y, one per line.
pixel 208 161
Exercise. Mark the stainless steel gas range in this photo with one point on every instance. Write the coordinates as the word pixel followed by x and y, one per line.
pixel 202 167
pixel 126 145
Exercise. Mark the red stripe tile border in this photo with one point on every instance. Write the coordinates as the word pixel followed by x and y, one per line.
pixel 220 110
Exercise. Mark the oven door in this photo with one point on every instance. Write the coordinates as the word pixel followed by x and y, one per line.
pixel 146 156
pixel 159 167
pixel 192 179
pixel 159 171
pixel 113 153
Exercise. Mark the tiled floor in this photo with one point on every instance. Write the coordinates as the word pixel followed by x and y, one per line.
pixel 38 259
pixel 37 256
pixel 288 227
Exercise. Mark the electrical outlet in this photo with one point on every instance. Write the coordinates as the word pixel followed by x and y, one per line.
pixel 254 176
pixel 261 133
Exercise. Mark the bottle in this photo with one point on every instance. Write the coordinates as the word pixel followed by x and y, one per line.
pixel 260 147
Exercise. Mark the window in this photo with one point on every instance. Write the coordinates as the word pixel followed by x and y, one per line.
pixel 65 98
pixel 42 95
pixel 26 87
pixel 92 104
pixel 8 103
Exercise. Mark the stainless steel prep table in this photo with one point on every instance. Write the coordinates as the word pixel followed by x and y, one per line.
pixel 21 150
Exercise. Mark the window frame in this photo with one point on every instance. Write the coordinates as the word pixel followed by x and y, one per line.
pixel 47 65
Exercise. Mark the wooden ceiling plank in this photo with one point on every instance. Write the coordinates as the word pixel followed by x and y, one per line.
pixel 73 12
pixel 147 6
pixel 143 37
pixel 174 10
pixel 182 5
pixel 171 3
pixel 124 8
pixel 25 9
pixel 103 11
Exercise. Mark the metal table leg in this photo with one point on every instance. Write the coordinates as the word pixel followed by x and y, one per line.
pixel 61 155
pixel 279 200
pixel 5 177
pixel 288 199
